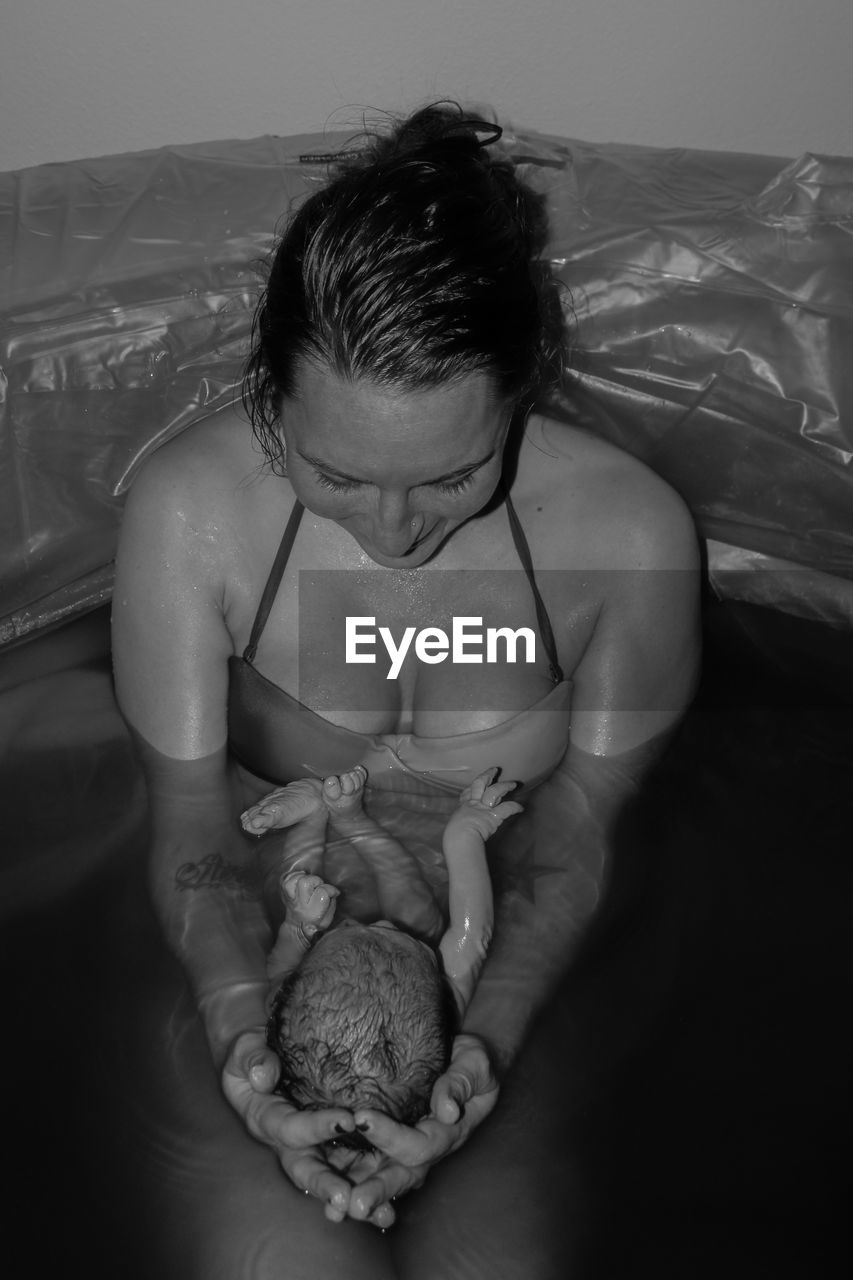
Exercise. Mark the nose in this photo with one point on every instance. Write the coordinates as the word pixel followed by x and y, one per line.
pixel 395 527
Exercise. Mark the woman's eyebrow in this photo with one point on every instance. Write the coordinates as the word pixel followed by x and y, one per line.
pixel 450 475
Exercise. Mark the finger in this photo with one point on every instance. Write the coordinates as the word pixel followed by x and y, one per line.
pixel 252 1062
pixel 334 1212
pixel 290 884
pixel 444 1106
pixel 264 1072
pixel 469 1075
pixel 384 1216
pixel 496 792
pixel 507 808
pixel 450 1094
pixel 308 1172
pixel 408 1146
pixel 456 1095
pixel 274 1119
pixel 369 1200
pixel 306 886
pixel 483 780
pixel 318 901
pixel 310 1128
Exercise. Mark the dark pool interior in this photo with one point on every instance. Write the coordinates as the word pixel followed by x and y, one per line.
pixel 686 1100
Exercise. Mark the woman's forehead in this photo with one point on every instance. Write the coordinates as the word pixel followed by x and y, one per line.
pixel 351 425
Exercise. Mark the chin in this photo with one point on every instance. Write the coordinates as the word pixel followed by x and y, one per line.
pixel 413 561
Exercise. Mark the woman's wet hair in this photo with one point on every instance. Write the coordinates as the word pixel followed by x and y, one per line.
pixel 417 264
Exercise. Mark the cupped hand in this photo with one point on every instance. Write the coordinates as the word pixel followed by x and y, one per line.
pixel 461 1100
pixel 249 1078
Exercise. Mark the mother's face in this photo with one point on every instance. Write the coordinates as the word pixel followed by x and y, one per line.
pixel 399 470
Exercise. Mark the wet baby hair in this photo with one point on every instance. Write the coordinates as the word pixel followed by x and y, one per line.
pixel 365 1023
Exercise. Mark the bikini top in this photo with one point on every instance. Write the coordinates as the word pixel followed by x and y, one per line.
pixel 279 739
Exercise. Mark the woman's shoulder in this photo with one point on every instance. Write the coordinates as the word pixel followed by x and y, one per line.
pixel 602 507
pixel 211 459
pixel 196 503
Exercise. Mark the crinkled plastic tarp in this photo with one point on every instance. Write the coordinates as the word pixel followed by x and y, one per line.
pixel 712 301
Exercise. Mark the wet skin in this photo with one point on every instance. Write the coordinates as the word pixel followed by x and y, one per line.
pixel 204 507
pixel 395 471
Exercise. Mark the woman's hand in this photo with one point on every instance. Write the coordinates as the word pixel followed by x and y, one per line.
pixel 249 1078
pixel 461 1100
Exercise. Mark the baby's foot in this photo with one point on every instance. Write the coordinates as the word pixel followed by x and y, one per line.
pixel 310 901
pixel 285 806
pixel 343 792
pixel 482 807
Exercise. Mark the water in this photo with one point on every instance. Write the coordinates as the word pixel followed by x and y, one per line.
pixel 683 1110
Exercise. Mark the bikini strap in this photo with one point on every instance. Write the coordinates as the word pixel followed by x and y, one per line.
pixel 521 545
pixel 544 622
pixel 273 581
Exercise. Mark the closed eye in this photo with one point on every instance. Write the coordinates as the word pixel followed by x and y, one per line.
pixel 451 487
pixel 335 486
pixel 448 487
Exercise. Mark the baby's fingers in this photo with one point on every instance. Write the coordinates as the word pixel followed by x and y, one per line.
pixel 475 789
pixel 492 795
pixel 506 809
pixel 319 900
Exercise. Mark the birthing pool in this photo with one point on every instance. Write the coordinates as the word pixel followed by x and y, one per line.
pixel 683 1111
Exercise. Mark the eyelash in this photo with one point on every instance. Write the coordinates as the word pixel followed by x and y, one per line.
pixel 450 488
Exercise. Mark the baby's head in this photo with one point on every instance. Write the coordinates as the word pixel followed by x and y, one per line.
pixel 366 1020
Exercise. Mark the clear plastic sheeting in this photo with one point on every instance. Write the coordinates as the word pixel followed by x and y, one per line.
pixel 127 287
pixel 711 302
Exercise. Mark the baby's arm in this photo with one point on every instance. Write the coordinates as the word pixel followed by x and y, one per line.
pixel 310 908
pixel 463 948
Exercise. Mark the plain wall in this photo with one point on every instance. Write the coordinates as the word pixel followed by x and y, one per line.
pixel 92 77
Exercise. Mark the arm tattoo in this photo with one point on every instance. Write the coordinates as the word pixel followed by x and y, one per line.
pixel 213 872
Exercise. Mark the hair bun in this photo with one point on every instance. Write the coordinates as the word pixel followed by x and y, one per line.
pixel 442 122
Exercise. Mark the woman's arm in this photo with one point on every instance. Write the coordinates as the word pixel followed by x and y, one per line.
pixel 170 652
pixel 631 689
pixel 170 649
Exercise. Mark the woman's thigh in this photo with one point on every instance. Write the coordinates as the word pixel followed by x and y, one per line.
pixel 231 1212
pixel 509 1203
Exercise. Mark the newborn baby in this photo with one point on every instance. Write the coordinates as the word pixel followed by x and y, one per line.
pixel 364 1014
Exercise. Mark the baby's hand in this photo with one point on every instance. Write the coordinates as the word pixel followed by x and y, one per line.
pixel 482 807
pixel 309 900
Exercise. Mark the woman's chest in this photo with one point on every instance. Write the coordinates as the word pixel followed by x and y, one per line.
pixel 455 646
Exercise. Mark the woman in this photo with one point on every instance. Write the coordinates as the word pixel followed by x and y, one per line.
pixel 396 474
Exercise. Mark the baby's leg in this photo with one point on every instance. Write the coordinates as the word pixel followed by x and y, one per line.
pixel 298 806
pixel 284 807
pixel 405 898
